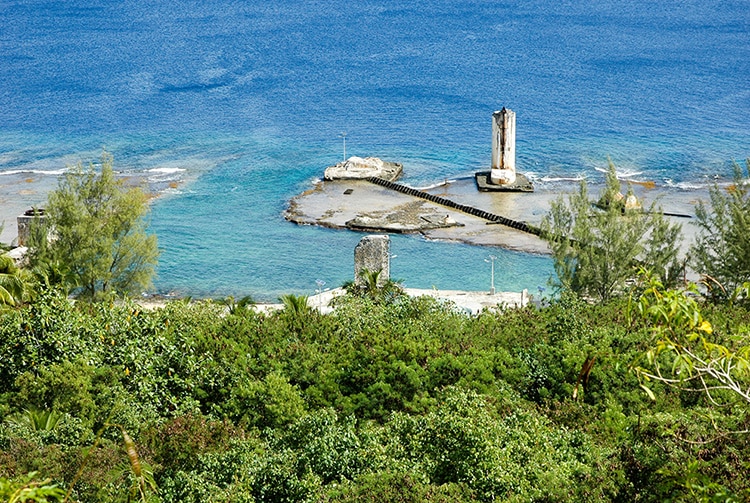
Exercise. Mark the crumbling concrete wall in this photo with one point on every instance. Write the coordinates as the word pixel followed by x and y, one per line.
pixel 24 225
pixel 372 253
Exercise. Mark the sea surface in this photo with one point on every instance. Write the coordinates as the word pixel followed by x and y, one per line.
pixel 231 108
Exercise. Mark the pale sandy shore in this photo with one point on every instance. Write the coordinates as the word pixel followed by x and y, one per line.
pixel 467 302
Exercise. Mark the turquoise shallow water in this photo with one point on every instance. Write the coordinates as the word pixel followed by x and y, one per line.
pixel 242 105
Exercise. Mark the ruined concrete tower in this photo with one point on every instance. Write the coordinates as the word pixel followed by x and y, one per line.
pixel 25 222
pixel 502 177
pixel 372 253
pixel 503 147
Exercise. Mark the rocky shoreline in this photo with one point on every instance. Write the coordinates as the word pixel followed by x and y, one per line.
pixel 359 205
pixel 363 206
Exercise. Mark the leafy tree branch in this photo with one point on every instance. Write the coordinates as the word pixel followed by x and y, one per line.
pixel 684 354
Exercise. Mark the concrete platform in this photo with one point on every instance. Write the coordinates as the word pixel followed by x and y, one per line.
pixel 522 184
pixel 333 204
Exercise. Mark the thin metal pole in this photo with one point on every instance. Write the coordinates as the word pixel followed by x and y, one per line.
pixel 491 260
pixel 492 284
pixel 343 135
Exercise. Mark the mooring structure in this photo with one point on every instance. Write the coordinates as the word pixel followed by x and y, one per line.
pixel 503 176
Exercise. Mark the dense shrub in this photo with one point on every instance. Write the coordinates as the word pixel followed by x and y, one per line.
pixel 405 400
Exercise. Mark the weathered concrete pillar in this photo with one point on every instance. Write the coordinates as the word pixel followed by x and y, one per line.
pixel 503 147
pixel 24 224
pixel 372 253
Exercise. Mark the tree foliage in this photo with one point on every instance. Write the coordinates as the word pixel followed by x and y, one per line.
pixel 27 489
pixel 377 401
pixel 16 284
pixel 722 247
pixel 372 286
pixel 596 249
pixel 96 239
pixel 687 354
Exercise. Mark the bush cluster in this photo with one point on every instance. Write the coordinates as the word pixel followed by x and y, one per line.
pixel 405 400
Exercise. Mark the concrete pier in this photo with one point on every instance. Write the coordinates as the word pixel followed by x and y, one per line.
pixel 503 147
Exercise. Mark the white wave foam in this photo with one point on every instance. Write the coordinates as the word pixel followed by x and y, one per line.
pixel 630 174
pixel 51 172
pixel 436 185
pixel 163 179
pixel 166 171
pixel 576 178
pixel 685 185
pixel 620 174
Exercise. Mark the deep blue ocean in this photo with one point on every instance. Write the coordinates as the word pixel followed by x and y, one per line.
pixel 242 105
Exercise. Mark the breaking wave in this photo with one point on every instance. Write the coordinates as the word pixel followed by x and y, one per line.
pixel 50 172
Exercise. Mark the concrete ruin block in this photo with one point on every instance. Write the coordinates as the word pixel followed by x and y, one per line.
pixel 502 177
pixel 372 253
pixel 24 224
pixel 357 168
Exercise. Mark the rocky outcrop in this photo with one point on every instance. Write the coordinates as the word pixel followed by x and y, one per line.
pixel 624 203
pixel 406 218
pixel 358 168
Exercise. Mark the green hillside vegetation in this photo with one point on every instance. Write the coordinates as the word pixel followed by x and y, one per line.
pixel 643 396
pixel 405 401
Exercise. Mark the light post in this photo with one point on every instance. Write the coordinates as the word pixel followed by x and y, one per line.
pixel 319 291
pixel 491 260
pixel 541 293
pixel 343 135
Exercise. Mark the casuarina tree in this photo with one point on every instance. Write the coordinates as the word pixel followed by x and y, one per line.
pixel 722 248
pixel 95 231
pixel 597 248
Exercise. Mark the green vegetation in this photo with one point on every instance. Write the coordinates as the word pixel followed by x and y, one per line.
pixel 597 249
pixel 28 489
pixel 398 401
pixel 374 288
pixel 16 285
pixel 688 355
pixel 641 397
pixel 95 239
pixel 722 249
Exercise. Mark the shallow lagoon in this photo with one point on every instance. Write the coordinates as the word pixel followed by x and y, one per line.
pixel 231 109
